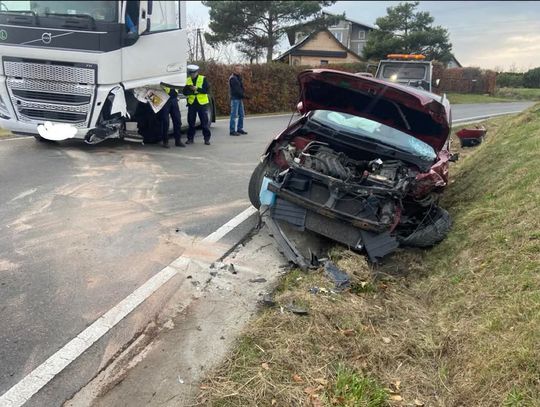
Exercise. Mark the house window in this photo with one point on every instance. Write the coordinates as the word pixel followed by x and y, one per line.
pixel 361 35
pixel 338 35
pixel 324 62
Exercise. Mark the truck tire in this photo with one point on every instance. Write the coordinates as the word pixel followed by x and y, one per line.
pixel 434 229
pixel 255 183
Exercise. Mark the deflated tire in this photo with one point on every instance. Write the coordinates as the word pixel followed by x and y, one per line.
pixel 431 231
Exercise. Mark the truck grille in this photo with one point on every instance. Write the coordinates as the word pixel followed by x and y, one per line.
pixel 49 91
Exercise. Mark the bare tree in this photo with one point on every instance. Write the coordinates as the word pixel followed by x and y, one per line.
pixel 198 49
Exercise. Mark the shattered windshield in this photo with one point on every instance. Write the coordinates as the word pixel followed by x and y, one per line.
pixel 366 128
pixel 105 11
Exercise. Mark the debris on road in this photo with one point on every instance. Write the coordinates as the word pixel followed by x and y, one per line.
pixel 341 279
pixel 268 300
pixel 257 280
pixel 296 309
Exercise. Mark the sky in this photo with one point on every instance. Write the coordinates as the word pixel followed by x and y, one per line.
pixel 488 34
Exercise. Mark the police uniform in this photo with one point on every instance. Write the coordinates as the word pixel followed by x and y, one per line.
pixel 198 102
pixel 170 108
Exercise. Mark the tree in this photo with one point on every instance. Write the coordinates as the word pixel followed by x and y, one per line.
pixel 407 31
pixel 196 45
pixel 531 78
pixel 259 25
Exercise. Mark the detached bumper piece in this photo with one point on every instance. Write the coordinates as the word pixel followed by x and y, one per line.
pixel 303 213
pixel 471 137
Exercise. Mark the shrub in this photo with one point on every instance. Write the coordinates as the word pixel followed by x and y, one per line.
pixel 510 80
pixel 531 78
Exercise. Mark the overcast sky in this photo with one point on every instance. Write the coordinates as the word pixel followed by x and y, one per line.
pixel 488 34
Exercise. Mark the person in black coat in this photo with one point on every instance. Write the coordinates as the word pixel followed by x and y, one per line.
pixel 236 93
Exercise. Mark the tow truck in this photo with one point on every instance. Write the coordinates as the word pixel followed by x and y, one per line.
pixel 86 69
pixel 407 69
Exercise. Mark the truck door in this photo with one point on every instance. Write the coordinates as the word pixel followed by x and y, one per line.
pixel 159 55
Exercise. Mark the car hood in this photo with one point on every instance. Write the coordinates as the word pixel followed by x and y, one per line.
pixel 421 114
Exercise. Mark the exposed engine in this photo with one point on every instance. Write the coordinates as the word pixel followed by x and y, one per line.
pixel 319 157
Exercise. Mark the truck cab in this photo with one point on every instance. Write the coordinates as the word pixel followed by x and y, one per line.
pixel 79 66
pixel 407 69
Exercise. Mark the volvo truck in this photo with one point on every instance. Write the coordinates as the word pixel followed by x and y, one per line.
pixel 85 69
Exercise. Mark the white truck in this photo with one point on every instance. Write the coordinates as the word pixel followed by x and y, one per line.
pixel 407 69
pixel 80 69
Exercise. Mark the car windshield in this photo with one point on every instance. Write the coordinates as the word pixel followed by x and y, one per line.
pixel 369 129
pixel 105 11
pixel 404 71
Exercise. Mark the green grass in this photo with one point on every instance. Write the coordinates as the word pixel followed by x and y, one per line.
pixel 460 98
pixel 519 93
pixel 458 324
pixel 353 389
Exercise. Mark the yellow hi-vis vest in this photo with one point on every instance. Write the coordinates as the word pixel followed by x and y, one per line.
pixel 202 98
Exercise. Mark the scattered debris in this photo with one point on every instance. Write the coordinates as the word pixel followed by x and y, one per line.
pixel 258 280
pixel 222 337
pixel 297 310
pixel 180 380
pixel 386 339
pixel 265 366
pixel 232 269
pixel 471 137
pixel 320 290
pixel 338 276
pixel 268 300
pixel 213 273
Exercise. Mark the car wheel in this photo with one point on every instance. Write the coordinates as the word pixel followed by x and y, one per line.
pixel 434 229
pixel 255 183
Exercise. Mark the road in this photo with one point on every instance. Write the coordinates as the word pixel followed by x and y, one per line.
pixel 83 226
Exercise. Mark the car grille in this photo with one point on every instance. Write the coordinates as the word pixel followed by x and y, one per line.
pixel 51 91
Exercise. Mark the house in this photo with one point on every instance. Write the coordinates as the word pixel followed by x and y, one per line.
pixel 453 63
pixel 351 33
pixel 318 48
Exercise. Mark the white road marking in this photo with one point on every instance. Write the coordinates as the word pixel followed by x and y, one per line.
pixel 21 392
pixel 16 138
pixel 230 225
pixel 24 194
pixel 486 116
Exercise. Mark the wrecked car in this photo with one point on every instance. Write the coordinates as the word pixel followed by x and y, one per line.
pixel 364 165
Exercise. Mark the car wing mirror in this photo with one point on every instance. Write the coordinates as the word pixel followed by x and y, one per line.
pixel 131 38
pixel 453 157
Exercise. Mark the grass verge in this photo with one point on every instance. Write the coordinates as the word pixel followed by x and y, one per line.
pixel 456 325
pixel 518 93
pixel 460 98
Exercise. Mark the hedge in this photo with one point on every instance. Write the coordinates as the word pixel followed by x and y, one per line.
pixel 273 87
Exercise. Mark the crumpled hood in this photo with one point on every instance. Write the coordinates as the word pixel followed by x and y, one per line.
pixel 421 114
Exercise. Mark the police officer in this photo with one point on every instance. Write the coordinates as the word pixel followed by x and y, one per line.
pixel 170 108
pixel 196 90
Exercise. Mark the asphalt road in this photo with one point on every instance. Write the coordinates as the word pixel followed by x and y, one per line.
pixel 83 226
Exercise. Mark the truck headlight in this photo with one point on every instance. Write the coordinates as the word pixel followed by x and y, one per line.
pixel 4 114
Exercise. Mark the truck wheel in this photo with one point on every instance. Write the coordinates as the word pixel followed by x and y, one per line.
pixel 255 183
pixel 431 231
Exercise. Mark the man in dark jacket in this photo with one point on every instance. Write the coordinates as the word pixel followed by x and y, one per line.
pixel 196 90
pixel 170 109
pixel 236 92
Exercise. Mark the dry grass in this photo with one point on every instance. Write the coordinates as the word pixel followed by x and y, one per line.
pixel 457 325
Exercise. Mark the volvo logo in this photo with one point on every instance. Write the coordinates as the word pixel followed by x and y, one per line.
pixel 3 35
pixel 46 38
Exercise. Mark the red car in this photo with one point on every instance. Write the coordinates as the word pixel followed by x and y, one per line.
pixel 364 165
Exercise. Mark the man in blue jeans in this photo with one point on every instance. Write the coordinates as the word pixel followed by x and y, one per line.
pixel 236 92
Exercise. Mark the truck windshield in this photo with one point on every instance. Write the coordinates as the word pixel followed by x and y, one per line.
pixel 404 71
pixel 370 129
pixel 104 11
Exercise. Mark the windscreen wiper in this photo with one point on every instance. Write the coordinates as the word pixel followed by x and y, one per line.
pixel 17 17
pixel 75 20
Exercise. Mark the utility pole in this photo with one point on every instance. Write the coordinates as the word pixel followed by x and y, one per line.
pixel 200 41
